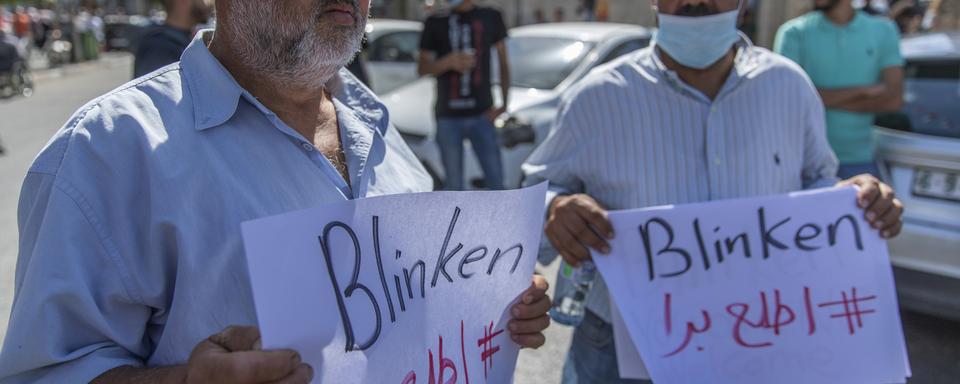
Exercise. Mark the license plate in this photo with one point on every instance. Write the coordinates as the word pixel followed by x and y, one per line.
pixel 936 183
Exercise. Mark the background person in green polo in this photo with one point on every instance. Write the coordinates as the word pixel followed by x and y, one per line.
pixel 854 60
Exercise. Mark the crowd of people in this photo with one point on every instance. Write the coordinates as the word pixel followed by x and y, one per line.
pixel 587 10
pixel 62 35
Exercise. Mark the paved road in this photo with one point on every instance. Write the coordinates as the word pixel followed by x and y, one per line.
pixel 27 124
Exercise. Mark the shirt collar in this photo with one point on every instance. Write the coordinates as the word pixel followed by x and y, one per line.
pixel 858 20
pixel 744 63
pixel 216 93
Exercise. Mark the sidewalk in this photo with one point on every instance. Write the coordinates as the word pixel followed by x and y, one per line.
pixel 40 68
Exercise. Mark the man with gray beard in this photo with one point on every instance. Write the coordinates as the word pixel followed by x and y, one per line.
pixel 130 245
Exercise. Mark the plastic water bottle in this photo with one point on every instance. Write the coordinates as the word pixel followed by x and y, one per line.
pixel 573 285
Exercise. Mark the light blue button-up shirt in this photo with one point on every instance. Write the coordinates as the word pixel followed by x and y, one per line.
pixel 632 134
pixel 130 244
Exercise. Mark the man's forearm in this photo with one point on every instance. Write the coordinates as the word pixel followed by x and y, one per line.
pixel 871 105
pixel 435 67
pixel 175 374
pixel 886 102
pixel 886 96
pixel 430 69
pixel 835 98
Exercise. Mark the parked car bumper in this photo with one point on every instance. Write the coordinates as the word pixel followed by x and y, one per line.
pixel 926 261
pixel 926 255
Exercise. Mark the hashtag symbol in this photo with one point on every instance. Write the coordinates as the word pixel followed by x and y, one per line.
pixel 851 309
pixel 486 342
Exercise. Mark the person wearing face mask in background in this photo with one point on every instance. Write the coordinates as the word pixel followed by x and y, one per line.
pixel 854 60
pixel 702 114
pixel 163 44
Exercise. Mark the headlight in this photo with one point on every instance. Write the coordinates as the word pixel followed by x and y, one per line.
pixel 501 121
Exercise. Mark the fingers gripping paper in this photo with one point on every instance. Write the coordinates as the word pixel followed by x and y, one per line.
pixel 786 289
pixel 399 289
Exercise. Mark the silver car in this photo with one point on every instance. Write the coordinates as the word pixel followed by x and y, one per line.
pixel 391 53
pixel 919 155
pixel 545 60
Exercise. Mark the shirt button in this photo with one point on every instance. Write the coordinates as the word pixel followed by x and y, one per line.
pixel 307 147
pixel 716 161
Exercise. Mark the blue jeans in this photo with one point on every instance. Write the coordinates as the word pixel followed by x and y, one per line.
pixel 451 131
pixel 847 171
pixel 593 357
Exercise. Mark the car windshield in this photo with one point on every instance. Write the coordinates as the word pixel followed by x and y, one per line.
pixel 544 62
pixel 931 97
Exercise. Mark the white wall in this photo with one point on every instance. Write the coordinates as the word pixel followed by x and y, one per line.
pixel 773 13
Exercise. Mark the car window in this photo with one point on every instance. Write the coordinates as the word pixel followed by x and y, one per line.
pixel 931 97
pixel 625 48
pixel 396 47
pixel 544 62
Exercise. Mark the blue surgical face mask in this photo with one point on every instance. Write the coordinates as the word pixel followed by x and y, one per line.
pixel 698 42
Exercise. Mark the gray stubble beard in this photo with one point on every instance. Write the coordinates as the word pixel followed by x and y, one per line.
pixel 303 52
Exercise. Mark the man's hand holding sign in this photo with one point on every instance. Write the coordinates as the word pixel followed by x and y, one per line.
pixel 235 355
pixel 775 289
pixel 405 289
pixel 881 207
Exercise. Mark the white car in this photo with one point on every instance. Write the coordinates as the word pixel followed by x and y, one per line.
pixel 391 53
pixel 545 60
pixel 919 154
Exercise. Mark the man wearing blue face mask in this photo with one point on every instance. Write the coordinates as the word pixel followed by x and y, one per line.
pixel 701 115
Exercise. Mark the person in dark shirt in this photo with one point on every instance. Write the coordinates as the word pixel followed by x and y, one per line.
pixel 456 47
pixel 163 44
pixel 10 52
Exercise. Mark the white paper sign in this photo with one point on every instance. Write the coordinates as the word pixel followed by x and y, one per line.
pixel 629 363
pixel 786 289
pixel 406 289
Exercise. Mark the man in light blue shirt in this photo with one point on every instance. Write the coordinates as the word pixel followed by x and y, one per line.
pixel 701 115
pixel 130 246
